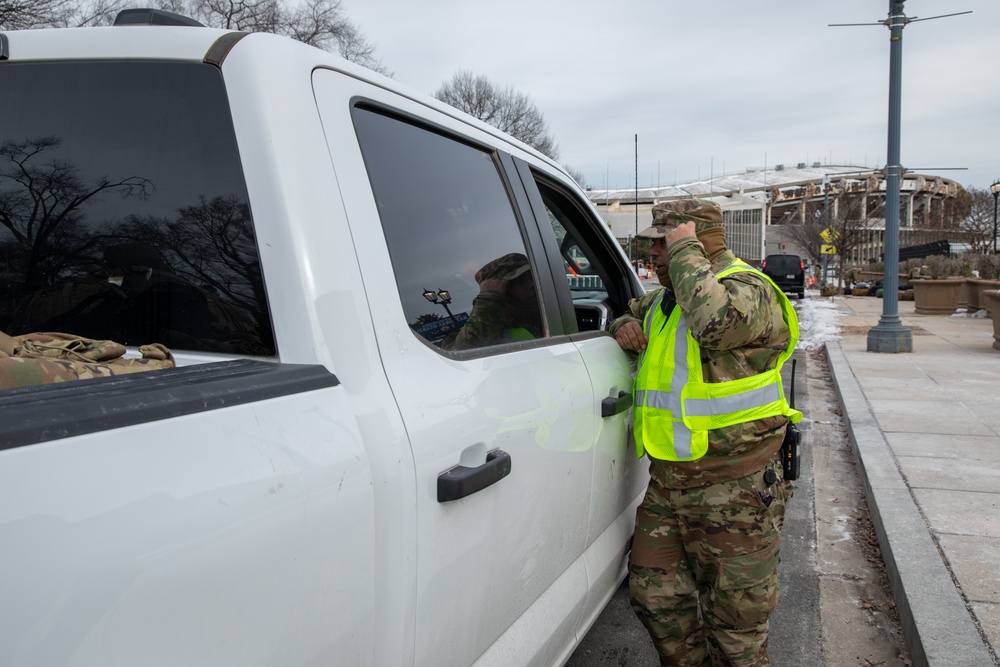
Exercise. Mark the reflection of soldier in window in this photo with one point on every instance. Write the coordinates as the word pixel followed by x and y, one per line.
pixel 506 309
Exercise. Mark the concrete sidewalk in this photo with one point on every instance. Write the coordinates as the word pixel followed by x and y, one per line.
pixel 926 429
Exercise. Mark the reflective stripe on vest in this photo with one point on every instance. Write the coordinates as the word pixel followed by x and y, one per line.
pixel 675 408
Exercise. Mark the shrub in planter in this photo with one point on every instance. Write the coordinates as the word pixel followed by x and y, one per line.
pixel 987 267
pixel 937 267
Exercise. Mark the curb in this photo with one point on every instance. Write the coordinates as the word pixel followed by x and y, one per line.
pixel 938 628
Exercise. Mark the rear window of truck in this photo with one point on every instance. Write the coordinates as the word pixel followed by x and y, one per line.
pixel 123 210
pixel 783 263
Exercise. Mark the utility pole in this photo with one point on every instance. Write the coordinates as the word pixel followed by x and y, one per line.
pixel 635 238
pixel 889 335
pixel 826 219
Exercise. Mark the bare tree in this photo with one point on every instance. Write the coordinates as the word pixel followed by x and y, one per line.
pixel 577 175
pixel 978 224
pixel 807 235
pixel 19 14
pixel 320 23
pixel 506 109
pixel 26 14
pixel 41 203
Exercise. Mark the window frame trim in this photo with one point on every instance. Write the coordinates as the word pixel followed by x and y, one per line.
pixel 595 243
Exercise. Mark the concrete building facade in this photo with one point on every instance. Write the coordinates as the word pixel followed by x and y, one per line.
pixel 759 204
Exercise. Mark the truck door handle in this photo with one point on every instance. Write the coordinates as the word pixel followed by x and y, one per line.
pixel 462 481
pixel 611 406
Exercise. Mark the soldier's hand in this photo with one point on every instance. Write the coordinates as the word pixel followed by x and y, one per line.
pixel 631 337
pixel 679 232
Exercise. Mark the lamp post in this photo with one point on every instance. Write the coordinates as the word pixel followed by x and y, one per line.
pixel 995 189
pixel 889 335
pixel 443 298
pixel 826 220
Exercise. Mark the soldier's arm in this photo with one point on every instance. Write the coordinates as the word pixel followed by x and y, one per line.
pixel 722 314
pixel 485 325
pixel 627 329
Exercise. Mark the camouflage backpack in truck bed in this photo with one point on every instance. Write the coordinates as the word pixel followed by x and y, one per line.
pixel 44 358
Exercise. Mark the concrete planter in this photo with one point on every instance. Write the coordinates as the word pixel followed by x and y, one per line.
pixel 937 297
pixel 974 288
pixel 993 305
pixel 867 276
pixel 875 276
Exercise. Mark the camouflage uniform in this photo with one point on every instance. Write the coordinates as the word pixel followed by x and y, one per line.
pixel 46 358
pixel 500 315
pixel 703 568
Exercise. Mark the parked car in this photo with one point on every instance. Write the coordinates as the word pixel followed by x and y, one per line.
pixel 320 481
pixel 787 271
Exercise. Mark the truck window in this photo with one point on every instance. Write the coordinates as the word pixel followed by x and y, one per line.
pixel 457 252
pixel 597 282
pixel 123 210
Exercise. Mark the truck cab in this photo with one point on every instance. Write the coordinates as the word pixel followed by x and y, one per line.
pixel 322 480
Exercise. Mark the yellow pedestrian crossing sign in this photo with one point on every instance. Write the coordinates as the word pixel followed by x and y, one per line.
pixel 829 235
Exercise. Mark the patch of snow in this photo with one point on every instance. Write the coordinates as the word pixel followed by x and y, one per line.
pixel 817 322
pixel 964 312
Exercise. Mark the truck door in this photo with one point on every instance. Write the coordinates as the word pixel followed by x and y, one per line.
pixel 500 419
pixel 498 406
pixel 591 276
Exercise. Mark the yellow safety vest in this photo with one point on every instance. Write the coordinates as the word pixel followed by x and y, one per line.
pixel 675 408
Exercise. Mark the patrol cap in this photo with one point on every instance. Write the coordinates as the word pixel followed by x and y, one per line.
pixel 667 215
pixel 510 266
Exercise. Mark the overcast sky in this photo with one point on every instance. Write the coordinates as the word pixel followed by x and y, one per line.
pixel 716 86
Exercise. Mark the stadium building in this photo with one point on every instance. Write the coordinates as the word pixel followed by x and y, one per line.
pixel 760 205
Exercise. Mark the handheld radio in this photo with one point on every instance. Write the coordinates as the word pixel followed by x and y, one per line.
pixel 793 437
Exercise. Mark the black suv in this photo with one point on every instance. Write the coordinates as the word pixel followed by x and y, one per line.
pixel 787 271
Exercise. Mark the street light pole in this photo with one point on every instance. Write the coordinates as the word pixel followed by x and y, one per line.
pixel 442 298
pixel 995 189
pixel 889 335
pixel 826 219
pixel 635 251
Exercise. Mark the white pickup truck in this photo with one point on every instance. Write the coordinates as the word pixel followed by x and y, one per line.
pixel 324 478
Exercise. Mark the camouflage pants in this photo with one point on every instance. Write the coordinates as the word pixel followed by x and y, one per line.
pixel 703 573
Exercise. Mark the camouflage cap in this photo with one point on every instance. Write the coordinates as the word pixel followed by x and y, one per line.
pixel 667 215
pixel 508 267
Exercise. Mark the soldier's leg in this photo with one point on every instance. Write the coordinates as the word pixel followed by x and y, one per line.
pixel 663 593
pixel 732 535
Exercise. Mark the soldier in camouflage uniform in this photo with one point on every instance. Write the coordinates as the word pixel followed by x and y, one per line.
pixel 506 308
pixel 703 568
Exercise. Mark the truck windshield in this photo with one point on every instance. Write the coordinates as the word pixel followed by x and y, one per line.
pixel 123 209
